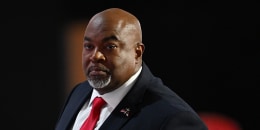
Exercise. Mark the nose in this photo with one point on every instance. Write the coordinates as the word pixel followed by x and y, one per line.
pixel 97 56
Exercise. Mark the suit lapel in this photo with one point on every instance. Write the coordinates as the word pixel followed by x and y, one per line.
pixel 75 105
pixel 130 105
pixel 118 117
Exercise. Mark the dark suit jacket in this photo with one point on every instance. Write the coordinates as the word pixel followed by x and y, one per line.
pixel 149 105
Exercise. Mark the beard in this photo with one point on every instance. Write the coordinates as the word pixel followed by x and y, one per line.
pixel 99 83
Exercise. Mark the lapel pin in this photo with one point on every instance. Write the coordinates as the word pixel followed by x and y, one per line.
pixel 125 111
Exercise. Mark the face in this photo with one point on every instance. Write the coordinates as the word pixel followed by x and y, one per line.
pixel 111 54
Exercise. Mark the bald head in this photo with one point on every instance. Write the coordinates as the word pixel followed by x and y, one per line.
pixel 120 21
pixel 112 49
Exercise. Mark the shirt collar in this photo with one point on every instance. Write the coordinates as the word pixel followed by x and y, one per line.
pixel 114 97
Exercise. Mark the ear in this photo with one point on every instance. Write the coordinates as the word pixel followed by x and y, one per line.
pixel 139 50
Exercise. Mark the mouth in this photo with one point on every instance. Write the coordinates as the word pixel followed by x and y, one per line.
pixel 97 72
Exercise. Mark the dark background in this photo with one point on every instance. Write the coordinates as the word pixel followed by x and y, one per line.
pixel 204 50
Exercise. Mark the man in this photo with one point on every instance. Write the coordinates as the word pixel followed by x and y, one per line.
pixel 135 99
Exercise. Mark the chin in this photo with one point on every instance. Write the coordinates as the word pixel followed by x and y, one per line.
pixel 99 84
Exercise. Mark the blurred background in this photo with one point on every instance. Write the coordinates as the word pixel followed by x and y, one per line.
pixel 203 50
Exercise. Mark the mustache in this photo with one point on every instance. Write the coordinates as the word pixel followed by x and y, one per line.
pixel 98 68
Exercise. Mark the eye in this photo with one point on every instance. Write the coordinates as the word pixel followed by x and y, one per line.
pixel 88 46
pixel 111 46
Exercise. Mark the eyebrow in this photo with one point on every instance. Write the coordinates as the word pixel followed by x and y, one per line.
pixel 87 39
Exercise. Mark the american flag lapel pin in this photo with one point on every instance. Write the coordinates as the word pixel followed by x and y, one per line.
pixel 125 111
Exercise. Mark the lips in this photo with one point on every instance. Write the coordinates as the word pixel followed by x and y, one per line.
pixel 97 71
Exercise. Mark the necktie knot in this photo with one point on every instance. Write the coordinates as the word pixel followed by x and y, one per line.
pixel 98 102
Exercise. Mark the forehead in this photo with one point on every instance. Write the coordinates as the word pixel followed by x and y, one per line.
pixel 100 29
pixel 98 34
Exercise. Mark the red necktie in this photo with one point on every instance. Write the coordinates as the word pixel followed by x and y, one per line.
pixel 93 117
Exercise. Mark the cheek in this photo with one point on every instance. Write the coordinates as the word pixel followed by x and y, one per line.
pixel 126 66
pixel 84 61
pixel 124 61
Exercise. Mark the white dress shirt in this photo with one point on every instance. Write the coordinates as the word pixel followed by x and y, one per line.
pixel 112 99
